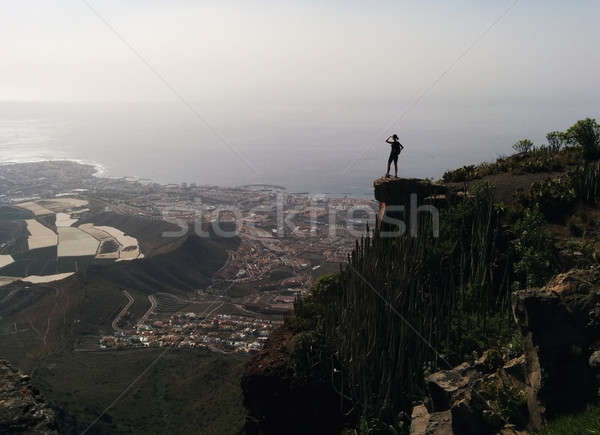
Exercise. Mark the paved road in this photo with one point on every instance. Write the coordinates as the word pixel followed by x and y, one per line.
pixel 115 323
pixel 153 304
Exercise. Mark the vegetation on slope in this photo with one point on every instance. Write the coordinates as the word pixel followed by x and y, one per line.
pixel 585 422
pixel 185 391
pixel 46 331
pixel 564 150
pixel 404 306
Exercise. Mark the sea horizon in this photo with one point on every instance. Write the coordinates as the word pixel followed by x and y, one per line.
pixel 333 148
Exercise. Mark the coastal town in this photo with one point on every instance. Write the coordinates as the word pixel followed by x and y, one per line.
pixel 284 242
pixel 224 333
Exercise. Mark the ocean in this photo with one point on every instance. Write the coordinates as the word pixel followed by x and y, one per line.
pixel 315 146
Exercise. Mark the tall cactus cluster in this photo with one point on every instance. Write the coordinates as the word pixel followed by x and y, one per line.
pixel 586 181
pixel 408 304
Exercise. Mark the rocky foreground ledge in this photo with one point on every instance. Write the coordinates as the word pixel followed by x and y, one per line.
pixel 22 408
pixel 560 326
pixel 558 373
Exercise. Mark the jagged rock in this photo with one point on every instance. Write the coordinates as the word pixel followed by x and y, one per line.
pixel 424 423
pixel 445 385
pixel 517 369
pixel 560 325
pixel 440 423
pixel 456 390
pixel 22 408
pixel 419 420
pixel 481 397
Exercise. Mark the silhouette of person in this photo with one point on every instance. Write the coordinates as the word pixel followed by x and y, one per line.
pixel 396 149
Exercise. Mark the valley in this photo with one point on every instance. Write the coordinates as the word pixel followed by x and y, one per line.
pixel 101 278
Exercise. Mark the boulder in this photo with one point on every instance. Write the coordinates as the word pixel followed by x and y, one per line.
pixel 446 385
pixel 424 423
pixel 516 370
pixel 481 399
pixel 560 326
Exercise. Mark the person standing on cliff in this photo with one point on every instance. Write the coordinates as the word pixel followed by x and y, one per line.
pixel 396 149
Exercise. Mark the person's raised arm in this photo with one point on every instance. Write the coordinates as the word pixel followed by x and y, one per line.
pixel 389 141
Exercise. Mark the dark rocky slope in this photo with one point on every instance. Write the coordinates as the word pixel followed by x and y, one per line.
pixel 279 400
pixel 22 408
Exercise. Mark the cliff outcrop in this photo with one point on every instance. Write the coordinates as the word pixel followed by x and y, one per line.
pixel 558 373
pixel 512 391
pixel 397 191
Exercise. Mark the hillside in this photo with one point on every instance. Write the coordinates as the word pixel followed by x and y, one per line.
pixel 148 231
pixel 188 266
pixel 47 329
pixel 422 313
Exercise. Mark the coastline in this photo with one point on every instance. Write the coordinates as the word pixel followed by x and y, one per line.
pixel 100 170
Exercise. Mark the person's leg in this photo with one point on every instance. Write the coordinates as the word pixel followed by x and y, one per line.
pixel 389 163
pixel 396 165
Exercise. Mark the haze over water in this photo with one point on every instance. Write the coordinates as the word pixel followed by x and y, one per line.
pixel 335 149
pixel 304 92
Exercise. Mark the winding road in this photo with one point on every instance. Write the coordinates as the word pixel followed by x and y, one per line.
pixel 153 303
pixel 115 323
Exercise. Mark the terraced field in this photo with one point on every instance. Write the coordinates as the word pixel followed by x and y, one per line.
pixel 62 204
pixel 109 246
pixel 72 242
pixel 35 208
pixel 167 304
pixel 130 249
pixel 64 220
pixel 5 260
pixel 39 235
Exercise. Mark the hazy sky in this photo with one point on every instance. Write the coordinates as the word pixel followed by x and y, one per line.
pixel 298 51
pixel 305 91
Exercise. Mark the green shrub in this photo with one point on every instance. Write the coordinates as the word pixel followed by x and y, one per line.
pixel 554 196
pixel 586 182
pixel 542 164
pixel 585 422
pixel 523 146
pixel 556 140
pixel 586 134
pixel 309 310
pixel 466 173
pixel 506 403
pixel 535 254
